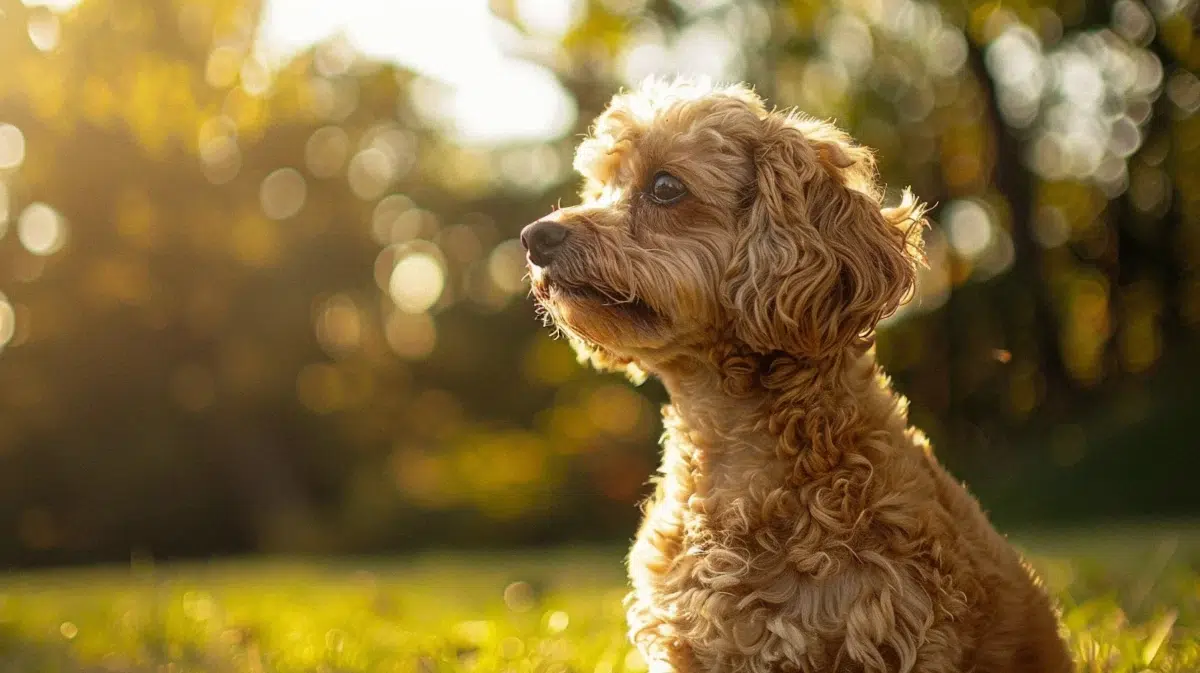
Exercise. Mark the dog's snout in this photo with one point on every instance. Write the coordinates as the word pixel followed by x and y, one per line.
pixel 543 239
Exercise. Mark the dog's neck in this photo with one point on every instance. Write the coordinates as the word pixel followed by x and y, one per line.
pixel 755 424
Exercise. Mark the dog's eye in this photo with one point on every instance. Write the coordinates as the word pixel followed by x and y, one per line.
pixel 667 189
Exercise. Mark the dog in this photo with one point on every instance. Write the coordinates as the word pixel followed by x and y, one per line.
pixel 743 256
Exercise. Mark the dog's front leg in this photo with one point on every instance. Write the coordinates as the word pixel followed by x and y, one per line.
pixel 657 641
pixel 658 572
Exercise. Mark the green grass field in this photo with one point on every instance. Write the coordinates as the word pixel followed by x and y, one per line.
pixel 1131 599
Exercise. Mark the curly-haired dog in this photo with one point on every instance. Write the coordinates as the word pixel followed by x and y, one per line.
pixel 799 524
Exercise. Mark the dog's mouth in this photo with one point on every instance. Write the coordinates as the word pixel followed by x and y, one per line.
pixel 550 291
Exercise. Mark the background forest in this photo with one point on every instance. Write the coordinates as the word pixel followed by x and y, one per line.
pixel 260 289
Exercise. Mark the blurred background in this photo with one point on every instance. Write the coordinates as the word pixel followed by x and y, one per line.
pixel 260 288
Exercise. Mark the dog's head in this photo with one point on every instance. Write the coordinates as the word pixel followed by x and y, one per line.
pixel 705 218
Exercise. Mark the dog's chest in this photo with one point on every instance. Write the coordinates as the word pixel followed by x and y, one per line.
pixel 728 593
pixel 751 578
pixel 733 566
pixel 732 602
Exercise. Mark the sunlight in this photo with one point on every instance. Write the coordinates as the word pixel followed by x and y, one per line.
pixel 552 18
pixel 495 98
pixel 56 5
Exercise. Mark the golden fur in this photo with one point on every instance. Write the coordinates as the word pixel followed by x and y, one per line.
pixel 798 524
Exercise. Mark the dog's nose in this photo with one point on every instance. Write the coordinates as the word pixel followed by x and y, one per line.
pixel 543 239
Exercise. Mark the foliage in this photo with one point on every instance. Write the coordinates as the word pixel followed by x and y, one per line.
pixel 1128 609
pixel 247 305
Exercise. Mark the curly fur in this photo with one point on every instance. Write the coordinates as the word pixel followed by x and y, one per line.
pixel 799 523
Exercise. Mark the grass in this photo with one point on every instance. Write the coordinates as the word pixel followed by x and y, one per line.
pixel 1131 599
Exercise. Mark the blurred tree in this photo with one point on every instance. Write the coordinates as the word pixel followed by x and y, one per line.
pixel 1058 139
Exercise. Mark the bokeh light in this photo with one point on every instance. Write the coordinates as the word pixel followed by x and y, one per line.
pixel 416 282
pixel 371 172
pixel 4 209
pixel 412 336
pixel 283 193
pixel 44 29
pixel 969 227
pixel 506 266
pixel 1050 227
pixel 8 322
pixel 1184 91
pixel 219 151
pixel 339 325
pixel 395 220
pixel 326 150
pixel 41 229
pixel 12 147
pixel 222 67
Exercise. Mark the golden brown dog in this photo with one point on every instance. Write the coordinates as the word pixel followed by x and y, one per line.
pixel 799 524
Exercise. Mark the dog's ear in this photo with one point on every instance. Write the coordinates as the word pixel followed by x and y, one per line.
pixel 818 261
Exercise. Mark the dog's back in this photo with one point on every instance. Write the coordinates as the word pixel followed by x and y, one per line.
pixel 1017 624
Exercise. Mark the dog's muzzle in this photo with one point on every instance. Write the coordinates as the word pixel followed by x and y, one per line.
pixel 542 240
